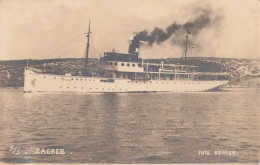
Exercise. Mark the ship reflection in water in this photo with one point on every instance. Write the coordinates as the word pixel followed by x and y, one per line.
pixel 129 128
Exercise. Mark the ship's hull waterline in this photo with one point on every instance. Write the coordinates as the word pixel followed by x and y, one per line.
pixel 38 82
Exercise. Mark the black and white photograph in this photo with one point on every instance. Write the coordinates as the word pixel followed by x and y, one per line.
pixel 129 81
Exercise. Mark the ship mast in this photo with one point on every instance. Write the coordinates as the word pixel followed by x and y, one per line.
pixel 186 45
pixel 87 49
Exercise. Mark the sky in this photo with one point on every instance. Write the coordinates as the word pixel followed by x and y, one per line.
pixel 45 29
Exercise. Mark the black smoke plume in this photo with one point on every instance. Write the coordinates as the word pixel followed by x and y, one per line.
pixel 160 35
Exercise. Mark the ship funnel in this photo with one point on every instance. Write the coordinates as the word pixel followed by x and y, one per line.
pixel 133 49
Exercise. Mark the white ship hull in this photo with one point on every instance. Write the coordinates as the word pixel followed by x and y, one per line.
pixel 38 82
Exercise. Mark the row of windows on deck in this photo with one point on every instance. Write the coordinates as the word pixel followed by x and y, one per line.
pixel 95 88
pixel 122 64
pixel 73 79
pixel 108 80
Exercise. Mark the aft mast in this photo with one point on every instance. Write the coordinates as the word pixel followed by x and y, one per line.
pixel 87 49
pixel 186 45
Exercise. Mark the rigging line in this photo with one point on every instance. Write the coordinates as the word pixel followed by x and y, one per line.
pixel 183 51
pixel 97 54
pixel 70 50
pixel 92 52
pixel 93 46
pixel 64 45
pixel 96 50
pixel 91 40
pixel 190 48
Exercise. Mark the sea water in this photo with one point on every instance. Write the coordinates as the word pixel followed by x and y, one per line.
pixel 203 127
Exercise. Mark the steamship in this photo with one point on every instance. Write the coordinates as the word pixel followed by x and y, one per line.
pixel 126 72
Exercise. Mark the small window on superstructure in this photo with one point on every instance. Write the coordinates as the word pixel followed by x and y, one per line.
pixel 122 64
pixel 111 63
pixel 115 63
pixel 133 65
pixel 128 64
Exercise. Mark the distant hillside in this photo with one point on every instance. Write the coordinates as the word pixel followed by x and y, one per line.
pixel 243 72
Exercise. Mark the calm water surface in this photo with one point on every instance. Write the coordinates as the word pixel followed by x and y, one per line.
pixel 130 128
